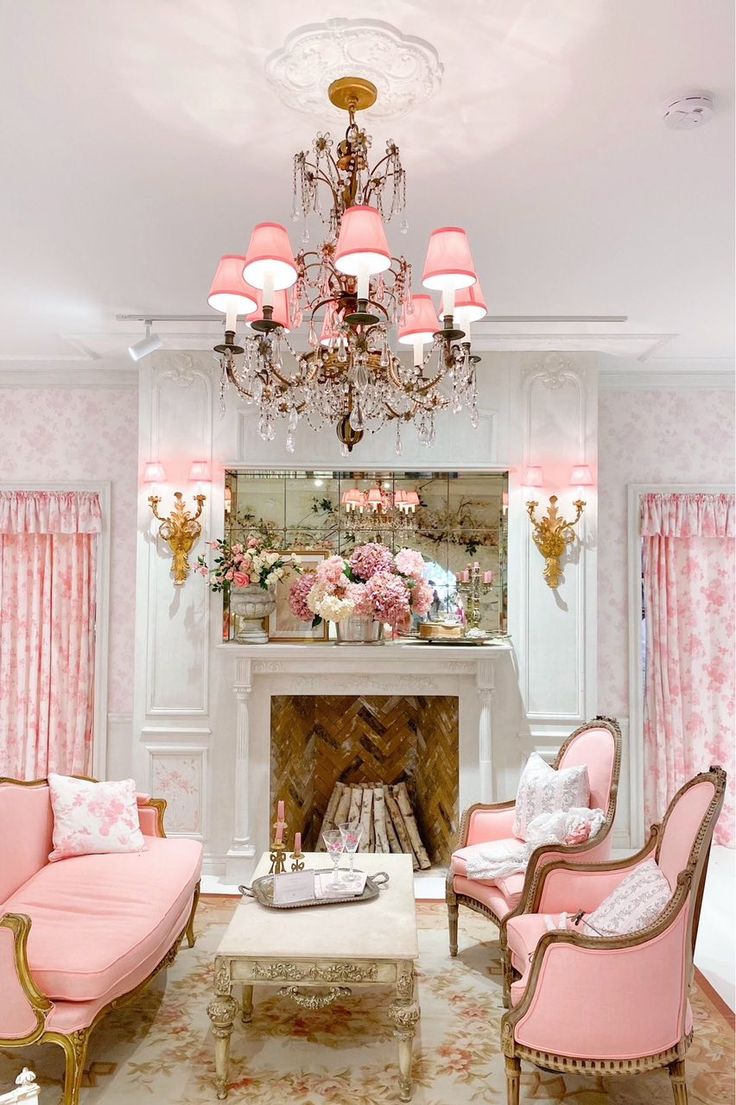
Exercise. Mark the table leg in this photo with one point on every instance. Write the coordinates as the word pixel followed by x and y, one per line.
pixel 221 1011
pixel 247 1006
pixel 404 1013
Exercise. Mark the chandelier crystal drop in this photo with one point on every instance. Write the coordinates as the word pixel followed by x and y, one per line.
pixel 350 294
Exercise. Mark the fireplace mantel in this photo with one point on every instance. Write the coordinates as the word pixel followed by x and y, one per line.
pixel 478 675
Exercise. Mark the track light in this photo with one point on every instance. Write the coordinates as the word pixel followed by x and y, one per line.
pixel 146 345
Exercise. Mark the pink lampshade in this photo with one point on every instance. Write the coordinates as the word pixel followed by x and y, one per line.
pixel 353 499
pixel 229 292
pixel 199 472
pixel 422 324
pixel 374 498
pixel 280 309
pixel 534 476
pixel 471 302
pixel 412 498
pixel 362 245
pixel 449 263
pixel 154 472
pixel 270 257
pixel 581 476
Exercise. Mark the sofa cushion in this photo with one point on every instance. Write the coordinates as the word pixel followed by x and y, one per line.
pixel 94 818
pixel 94 918
pixel 543 789
pixel 524 933
pixel 488 894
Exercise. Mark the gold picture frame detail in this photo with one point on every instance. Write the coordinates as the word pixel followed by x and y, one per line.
pixel 283 627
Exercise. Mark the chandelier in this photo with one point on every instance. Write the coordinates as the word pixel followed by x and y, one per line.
pixel 351 292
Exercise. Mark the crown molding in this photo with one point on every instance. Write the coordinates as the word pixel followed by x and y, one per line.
pixel 68 378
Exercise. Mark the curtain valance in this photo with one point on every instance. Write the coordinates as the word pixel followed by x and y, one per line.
pixel 50 512
pixel 681 514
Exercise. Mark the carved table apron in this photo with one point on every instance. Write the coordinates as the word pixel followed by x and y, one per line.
pixel 316 956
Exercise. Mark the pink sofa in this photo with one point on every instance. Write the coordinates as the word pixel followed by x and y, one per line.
pixel 82 935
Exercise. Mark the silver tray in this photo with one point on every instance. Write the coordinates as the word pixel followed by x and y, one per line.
pixel 262 892
pixel 456 641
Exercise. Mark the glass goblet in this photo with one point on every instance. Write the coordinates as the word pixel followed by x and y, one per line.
pixel 351 836
pixel 335 847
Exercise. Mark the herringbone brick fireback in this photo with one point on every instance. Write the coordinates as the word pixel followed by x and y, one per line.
pixel 318 740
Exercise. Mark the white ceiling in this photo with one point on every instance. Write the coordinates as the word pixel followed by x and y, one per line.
pixel 141 141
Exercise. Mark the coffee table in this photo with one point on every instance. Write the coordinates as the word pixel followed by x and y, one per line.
pixel 320 954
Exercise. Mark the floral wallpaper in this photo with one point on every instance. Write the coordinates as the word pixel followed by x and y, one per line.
pixel 662 436
pixel 53 434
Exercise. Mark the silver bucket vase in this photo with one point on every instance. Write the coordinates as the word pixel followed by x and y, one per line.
pixel 251 605
pixel 359 631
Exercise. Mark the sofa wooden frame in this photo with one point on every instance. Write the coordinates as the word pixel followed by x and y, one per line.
pixel 538 856
pixel 74 1044
pixel 691 880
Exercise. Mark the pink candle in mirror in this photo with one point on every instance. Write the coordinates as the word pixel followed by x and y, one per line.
pixel 279 832
pixel 280 813
pixel 488 577
pixel 465 576
pixel 297 843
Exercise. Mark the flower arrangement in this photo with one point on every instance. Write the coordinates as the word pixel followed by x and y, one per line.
pixel 253 561
pixel 372 583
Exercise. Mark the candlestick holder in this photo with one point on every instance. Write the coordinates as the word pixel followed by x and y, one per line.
pixel 473 591
pixel 278 858
pixel 297 861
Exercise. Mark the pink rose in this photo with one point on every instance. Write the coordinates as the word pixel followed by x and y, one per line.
pixel 241 579
pixel 252 542
pixel 229 575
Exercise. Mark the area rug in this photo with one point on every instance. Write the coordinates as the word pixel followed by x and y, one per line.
pixel 159 1048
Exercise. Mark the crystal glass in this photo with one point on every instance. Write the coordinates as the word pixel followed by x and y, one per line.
pixel 334 845
pixel 351 833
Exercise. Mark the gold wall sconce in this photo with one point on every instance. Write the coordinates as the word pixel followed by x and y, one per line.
pixel 181 529
pixel 553 534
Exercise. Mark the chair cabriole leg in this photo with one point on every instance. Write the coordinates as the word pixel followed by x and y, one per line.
pixel 679 1085
pixel 452 912
pixel 75 1051
pixel 513 1073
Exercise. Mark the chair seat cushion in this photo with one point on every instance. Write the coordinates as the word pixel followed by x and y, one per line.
pixel 490 895
pixel 524 933
pixel 459 865
pixel 95 918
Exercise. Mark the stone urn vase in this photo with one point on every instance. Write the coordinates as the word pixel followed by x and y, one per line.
pixel 359 631
pixel 251 605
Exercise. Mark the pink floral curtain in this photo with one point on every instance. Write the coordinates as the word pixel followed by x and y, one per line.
pixel 689 561
pixel 47 631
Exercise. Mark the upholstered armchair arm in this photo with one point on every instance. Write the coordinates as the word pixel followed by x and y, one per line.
pixel 563 885
pixel 23 1007
pixel 606 997
pixel 151 815
pixel 483 822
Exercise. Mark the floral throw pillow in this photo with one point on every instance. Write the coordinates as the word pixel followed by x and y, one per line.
pixel 91 818
pixel 542 789
pixel 635 904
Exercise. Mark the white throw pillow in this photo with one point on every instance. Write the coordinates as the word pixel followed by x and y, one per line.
pixel 93 818
pixel 635 904
pixel 542 789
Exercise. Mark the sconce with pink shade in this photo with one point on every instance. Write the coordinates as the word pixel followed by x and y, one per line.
pixel 182 529
pixel 552 533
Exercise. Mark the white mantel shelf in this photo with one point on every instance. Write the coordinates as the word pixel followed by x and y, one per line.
pixel 473 673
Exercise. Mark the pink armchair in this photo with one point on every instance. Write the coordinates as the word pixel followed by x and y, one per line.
pixel 597 744
pixel 613 1004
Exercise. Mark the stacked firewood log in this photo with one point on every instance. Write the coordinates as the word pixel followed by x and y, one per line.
pixel 387 817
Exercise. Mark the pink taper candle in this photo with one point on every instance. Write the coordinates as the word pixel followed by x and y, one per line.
pixel 488 577
pixel 279 832
pixel 297 843
pixel 280 814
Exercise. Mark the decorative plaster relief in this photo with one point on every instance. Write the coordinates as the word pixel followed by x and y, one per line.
pixel 405 70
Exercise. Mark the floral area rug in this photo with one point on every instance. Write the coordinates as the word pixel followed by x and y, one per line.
pixel 159 1048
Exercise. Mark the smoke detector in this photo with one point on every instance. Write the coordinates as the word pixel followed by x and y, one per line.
pixel 689 110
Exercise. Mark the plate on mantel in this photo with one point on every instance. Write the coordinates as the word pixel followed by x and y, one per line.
pixel 455 641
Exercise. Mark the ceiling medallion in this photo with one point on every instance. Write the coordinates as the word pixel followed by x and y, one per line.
pixel 405 70
pixel 350 291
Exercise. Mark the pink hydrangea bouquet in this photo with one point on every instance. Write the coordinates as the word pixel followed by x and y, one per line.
pixel 373 583
pixel 244 563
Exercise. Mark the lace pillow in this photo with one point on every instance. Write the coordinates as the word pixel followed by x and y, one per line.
pixel 544 790
pixel 635 903
pixel 90 818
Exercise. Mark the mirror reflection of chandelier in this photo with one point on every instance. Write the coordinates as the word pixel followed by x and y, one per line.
pixel 350 292
pixel 377 501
